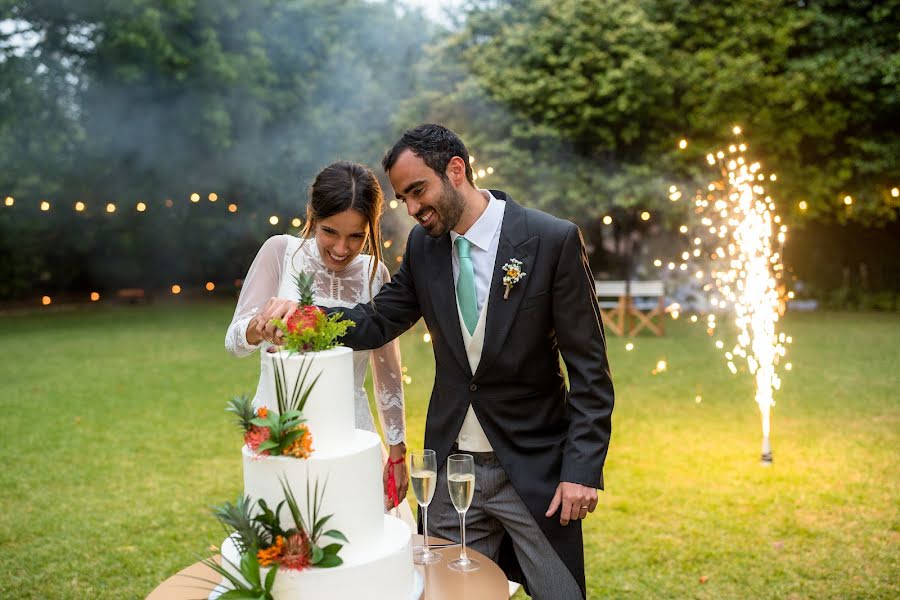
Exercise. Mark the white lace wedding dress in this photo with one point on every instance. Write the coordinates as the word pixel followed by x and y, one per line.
pixel 272 275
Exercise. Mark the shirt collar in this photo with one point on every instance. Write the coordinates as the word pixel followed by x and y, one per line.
pixel 482 232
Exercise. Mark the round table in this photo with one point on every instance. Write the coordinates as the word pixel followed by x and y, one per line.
pixel 487 583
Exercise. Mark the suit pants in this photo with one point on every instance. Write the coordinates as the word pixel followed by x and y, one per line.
pixel 497 509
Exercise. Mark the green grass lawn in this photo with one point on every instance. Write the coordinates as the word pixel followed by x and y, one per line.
pixel 115 443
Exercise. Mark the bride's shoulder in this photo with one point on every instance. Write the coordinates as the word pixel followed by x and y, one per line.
pixel 381 272
pixel 278 242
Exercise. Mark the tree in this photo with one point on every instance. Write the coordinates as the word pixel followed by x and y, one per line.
pixel 584 101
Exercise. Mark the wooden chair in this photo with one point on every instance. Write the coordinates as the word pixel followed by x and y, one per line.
pixel 644 309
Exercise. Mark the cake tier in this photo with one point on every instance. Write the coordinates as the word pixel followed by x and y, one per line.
pixel 351 477
pixel 384 571
pixel 329 411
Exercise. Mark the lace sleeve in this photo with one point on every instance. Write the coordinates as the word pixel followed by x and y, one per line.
pixel 262 282
pixel 387 379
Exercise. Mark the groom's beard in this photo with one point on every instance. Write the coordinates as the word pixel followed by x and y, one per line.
pixel 448 208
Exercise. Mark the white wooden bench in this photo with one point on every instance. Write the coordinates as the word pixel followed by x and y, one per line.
pixel 646 305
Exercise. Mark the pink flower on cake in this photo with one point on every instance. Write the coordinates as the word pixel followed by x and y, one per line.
pixel 255 436
pixel 296 552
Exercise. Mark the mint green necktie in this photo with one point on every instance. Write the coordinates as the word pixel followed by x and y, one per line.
pixel 465 285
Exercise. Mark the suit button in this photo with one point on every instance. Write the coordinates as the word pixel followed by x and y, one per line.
pixel 473 388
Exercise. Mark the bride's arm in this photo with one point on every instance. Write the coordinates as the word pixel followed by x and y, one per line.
pixel 260 284
pixel 387 381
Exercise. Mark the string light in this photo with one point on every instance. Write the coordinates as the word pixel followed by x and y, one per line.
pixel 426 338
pixel 176 289
pixel 393 204
pixel 232 208
pixel 195 197
pixel 10 200
pixel 95 296
pixel 45 206
pixel 645 216
pixel 141 207
pixel 79 206
pixel 273 220
pixel 682 144
pixel 110 208
pixel 388 243
pixel 210 286
pixel 895 192
pixel 607 220
pixel 803 205
pixel 296 222
pixel 213 196
pixel 46 300
pixel 848 200
pixel 736 130
pixel 629 347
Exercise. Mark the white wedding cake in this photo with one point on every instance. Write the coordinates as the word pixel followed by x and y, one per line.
pixel 347 462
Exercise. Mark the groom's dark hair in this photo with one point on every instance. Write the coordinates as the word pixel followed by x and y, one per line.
pixel 434 144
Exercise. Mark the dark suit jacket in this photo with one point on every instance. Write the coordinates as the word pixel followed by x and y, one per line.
pixel 541 433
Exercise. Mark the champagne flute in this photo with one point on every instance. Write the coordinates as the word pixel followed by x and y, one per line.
pixel 461 481
pixel 423 477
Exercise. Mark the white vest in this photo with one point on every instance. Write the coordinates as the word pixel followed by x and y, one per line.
pixel 471 436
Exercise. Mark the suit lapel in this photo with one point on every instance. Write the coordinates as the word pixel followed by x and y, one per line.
pixel 443 296
pixel 514 243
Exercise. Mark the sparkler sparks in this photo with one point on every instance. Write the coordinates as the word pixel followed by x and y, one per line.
pixel 742 237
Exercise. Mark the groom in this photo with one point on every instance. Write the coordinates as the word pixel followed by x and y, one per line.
pixel 499 392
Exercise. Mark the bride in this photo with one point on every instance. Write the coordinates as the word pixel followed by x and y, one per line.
pixel 343 214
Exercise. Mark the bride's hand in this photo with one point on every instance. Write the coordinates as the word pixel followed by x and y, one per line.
pixel 262 326
pixel 401 474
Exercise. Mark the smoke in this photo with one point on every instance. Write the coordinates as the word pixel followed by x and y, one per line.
pixel 246 100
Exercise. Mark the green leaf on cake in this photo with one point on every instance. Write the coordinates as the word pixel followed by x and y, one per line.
pixel 317 555
pixel 332 549
pixel 337 535
pixel 250 569
pixel 243 595
pixel 321 522
pixel 270 578
pixel 330 561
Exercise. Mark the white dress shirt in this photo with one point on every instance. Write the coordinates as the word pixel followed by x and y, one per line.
pixel 484 235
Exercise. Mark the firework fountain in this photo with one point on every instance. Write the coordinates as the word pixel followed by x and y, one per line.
pixel 738 238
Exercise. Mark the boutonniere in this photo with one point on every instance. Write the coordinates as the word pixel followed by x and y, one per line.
pixel 513 274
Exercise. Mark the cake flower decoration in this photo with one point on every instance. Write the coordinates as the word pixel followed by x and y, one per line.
pixel 512 275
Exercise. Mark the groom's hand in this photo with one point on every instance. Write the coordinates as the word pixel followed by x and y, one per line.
pixel 573 500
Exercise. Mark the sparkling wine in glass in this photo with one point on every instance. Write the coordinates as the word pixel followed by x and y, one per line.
pixel 461 480
pixel 423 476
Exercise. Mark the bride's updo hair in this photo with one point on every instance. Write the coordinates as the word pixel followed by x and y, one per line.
pixel 347 185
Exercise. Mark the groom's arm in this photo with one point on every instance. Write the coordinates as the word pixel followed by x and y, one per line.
pixel 396 309
pixel 579 331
